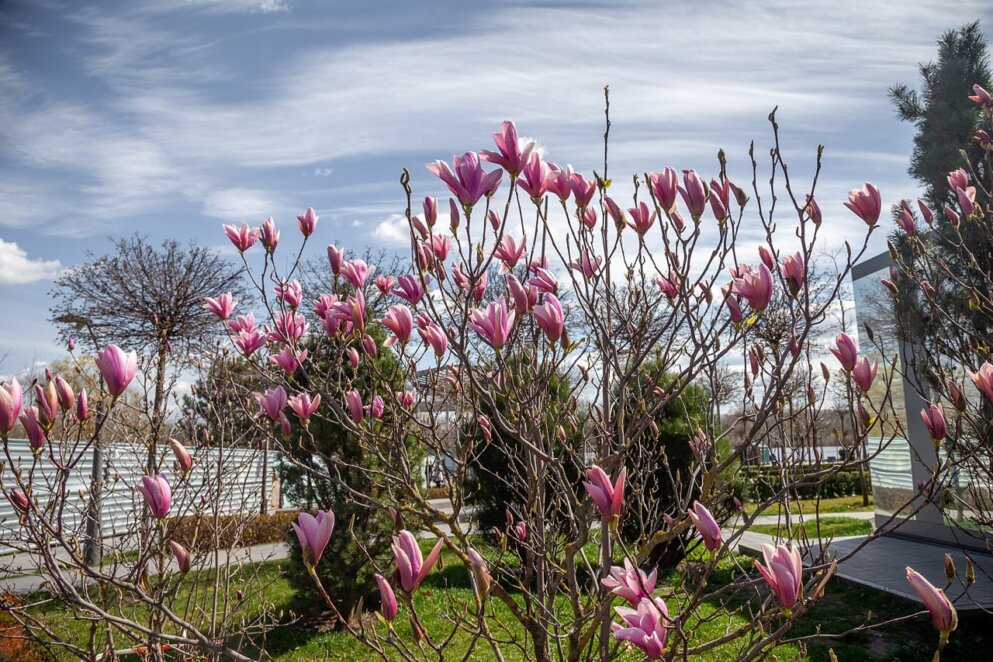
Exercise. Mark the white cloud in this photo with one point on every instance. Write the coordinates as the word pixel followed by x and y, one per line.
pixel 16 268
pixel 394 230
pixel 239 205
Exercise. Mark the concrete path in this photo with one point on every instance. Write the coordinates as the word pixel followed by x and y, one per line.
pixel 19 572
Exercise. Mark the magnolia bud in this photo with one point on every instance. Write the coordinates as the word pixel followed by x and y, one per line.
pixel 949 567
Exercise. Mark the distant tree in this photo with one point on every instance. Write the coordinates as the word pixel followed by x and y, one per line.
pixel 945 118
pixel 149 299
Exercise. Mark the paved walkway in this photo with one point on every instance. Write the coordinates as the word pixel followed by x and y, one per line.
pixel 19 572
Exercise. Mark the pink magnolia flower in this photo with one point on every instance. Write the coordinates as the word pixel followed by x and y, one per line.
pixel 272 402
pixel 513 153
pixel 31 420
pixel 377 407
pixel 934 420
pixel 957 179
pixel 313 533
pixel 157 494
pixel 11 399
pixel 981 97
pixel 863 374
pixel 290 293
pixel 669 285
pixel 242 323
pixel 493 323
pixel 183 561
pixel 926 212
pixel 307 222
pixel 353 402
pixel 586 264
pixel 64 393
pixel 866 203
pixel 480 570
pixel 409 289
pixel 453 215
pixel 269 235
pixel 432 334
pixel 117 368
pixel 406 399
pixel 388 606
pixel 813 210
pixel 615 212
pixel 755 285
pixel 734 308
pixel 303 406
pixel 242 237
pixel 183 457
pixel 720 195
pixel 20 500
pixel 582 189
pixel 943 614
pixel 48 402
pixel 289 360
pixel 400 321
pixel 336 258
pixel 355 272
pixel 250 342
pixel 469 182
pixel 550 318
pixel 524 297
pixel 533 178
pixel 783 570
pixel 967 199
pixel 641 218
pixel 543 280
pixel 521 530
pixel 385 283
pixel 794 271
pixel 411 565
pixel 441 244
pixel 509 252
pixel 630 583
pixel 644 627
pixel 767 257
pixel 845 351
pixel 557 181
pixel 983 379
pixel 288 327
pixel 694 192
pixel 430 211
pixel 82 406
pixel 665 185
pixel 905 219
pixel 705 523
pixel 608 498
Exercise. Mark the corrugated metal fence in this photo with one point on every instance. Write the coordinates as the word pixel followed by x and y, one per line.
pixel 228 477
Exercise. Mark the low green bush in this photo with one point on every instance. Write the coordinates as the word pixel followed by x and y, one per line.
pixel 197 532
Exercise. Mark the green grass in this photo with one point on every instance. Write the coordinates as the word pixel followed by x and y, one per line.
pixel 825 527
pixel 845 504
pixel 843 607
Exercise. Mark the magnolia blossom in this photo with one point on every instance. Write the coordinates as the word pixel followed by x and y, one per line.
pixel 493 323
pixel 336 258
pixel 509 252
pixel 117 368
pixel 290 293
pixel 303 406
pixel 943 614
pixel 608 497
pixel 64 393
pixel 272 402
pixel 313 534
pixel 353 402
pixel 783 570
pixel 242 323
pixel 269 235
pixel 550 318
pixel 557 181
pixel 400 321
pixel 250 342
pixel 183 457
pixel 845 351
pixel 513 153
pixel 630 582
pixel 644 627
pixel 469 182
pixel 377 407
pixel 694 193
pixel 720 193
pixel 934 420
pixel 411 565
pixel 242 237
pixel 183 561
pixel 708 527
pixel 866 203
pixel 289 360
pixel 480 570
pixel 863 374
pixel 533 178
pixel 981 97
pixel 983 379
pixel 11 400
pixel 755 285
pixel 82 406
pixel 641 218
pixel 665 185
pixel 355 272
pixel 385 283
pixel 586 264
pixel 307 222
pixel 794 271
pixel 543 280
pixel 388 606
pixel 409 289
pixel 157 494
pixel 582 189
pixel 31 420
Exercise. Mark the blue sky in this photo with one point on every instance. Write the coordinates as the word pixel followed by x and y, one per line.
pixel 173 117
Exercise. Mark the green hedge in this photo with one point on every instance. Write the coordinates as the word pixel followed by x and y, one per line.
pixel 758 483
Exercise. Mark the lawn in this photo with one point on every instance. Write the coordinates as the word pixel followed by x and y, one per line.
pixel 825 527
pixel 845 504
pixel 843 607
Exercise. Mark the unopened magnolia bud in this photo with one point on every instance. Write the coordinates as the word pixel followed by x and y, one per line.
pixel 864 415
pixel 653 426
pixel 509 516
pixel 956 396
pixel 970 572
pixel 560 433
pixel 949 567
